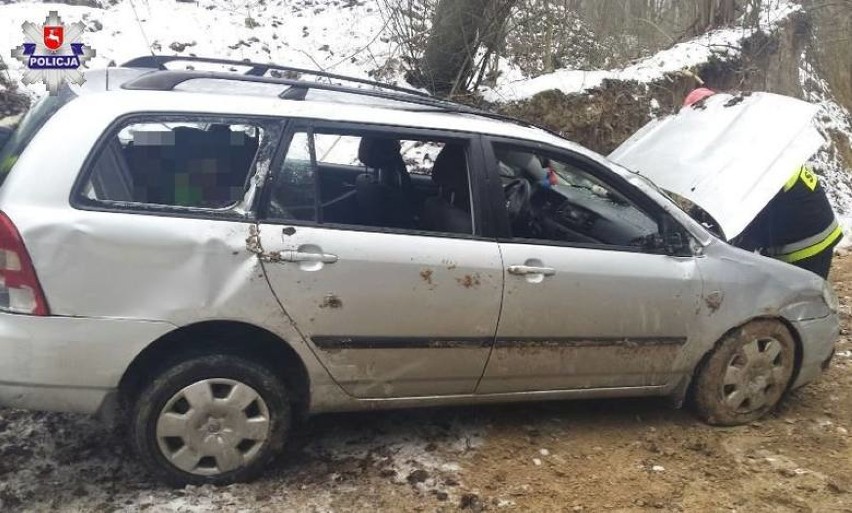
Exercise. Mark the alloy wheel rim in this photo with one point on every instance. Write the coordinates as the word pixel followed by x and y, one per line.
pixel 754 375
pixel 213 426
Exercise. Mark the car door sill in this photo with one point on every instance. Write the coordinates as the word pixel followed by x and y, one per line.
pixel 536 395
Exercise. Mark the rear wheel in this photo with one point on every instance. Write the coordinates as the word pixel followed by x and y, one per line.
pixel 210 419
pixel 746 375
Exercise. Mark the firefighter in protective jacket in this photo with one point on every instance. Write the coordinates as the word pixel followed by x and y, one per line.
pixel 796 226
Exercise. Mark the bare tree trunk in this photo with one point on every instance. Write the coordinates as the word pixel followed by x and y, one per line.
pixel 547 58
pixel 715 13
pixel 459 28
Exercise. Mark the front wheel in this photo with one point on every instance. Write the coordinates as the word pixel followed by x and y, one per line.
pixel 746 375
pixel 214 419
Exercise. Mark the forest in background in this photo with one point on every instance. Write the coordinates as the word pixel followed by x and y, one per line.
pixel 453 47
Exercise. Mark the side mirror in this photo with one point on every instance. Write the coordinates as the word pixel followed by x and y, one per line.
pixel 676 244
pixel 672 243
pixel 673 240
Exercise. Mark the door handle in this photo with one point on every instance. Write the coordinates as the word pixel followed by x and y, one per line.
pixel 521 270
pixel 302 256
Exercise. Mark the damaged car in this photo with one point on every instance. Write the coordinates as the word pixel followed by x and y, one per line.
pixel 208 255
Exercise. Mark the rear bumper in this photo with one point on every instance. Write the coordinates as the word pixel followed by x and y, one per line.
pixel 67 363
pixel 818 337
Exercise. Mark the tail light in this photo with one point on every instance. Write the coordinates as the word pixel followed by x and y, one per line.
pixel 20 291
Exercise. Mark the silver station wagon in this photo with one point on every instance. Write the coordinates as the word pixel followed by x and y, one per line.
pixel 207 254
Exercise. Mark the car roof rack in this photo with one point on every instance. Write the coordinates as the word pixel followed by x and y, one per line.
pixel 260 69
pixel 164 79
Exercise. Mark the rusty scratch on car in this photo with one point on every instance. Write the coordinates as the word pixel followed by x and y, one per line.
pixel 467 281
pixel 253 245
pixel 713 301
pixel 426 275
pixel 253 240
pixel 331 301
pixel 449 263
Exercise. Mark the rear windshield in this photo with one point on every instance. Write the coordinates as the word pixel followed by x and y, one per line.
pixel 29 127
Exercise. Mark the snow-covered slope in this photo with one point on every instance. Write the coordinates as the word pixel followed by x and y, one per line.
pixel 835 122
pixel 344 36
pixel 720 44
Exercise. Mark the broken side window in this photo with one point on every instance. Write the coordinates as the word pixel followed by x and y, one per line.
pixel 177 163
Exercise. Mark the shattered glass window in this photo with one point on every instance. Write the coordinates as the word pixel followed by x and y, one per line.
pixel 175 163
pixel 295 190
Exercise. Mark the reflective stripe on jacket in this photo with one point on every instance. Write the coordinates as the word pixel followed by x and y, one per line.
pixel 811 246
pixel 807 210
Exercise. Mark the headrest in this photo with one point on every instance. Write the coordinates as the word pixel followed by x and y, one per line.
pixel 377 152
pixel 450 169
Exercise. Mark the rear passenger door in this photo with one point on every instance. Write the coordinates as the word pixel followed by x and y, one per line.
pixel 162 211
pixel 371 240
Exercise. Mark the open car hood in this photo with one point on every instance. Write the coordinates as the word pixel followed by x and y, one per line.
pixel 728 154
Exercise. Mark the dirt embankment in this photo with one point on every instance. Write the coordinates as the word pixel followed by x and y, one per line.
pixel 603 117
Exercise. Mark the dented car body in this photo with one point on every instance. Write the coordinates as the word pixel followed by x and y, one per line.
pixel 346 312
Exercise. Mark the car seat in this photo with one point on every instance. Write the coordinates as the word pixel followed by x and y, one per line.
pixel 449 211
pixel 383 191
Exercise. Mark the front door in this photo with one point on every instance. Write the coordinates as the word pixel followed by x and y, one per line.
pixel 370 243
pixel 587 302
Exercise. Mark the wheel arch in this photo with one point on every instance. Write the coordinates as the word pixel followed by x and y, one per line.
pixel 685 389
pixel 228 337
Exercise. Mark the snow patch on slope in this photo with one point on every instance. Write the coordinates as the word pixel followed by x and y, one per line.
pixel 835 123
pixel 722 44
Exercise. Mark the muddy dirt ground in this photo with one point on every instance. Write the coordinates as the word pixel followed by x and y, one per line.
pixel 625 455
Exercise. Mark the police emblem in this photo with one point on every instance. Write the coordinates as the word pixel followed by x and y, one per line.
pixel 53 52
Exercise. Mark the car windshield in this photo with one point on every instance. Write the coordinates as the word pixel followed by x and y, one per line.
pixel 29 127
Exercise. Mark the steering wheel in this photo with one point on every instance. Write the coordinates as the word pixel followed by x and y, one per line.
pixel 517 193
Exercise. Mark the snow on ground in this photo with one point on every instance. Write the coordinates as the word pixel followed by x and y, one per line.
pixel 342 36
pixel 721 44
pixel 422 453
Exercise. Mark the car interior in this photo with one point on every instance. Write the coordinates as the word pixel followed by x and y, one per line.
pixel 427 188
pixel 203 166
pixel 548 199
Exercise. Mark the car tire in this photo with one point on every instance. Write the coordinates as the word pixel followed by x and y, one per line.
pixel 747 374
pixel 212 419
